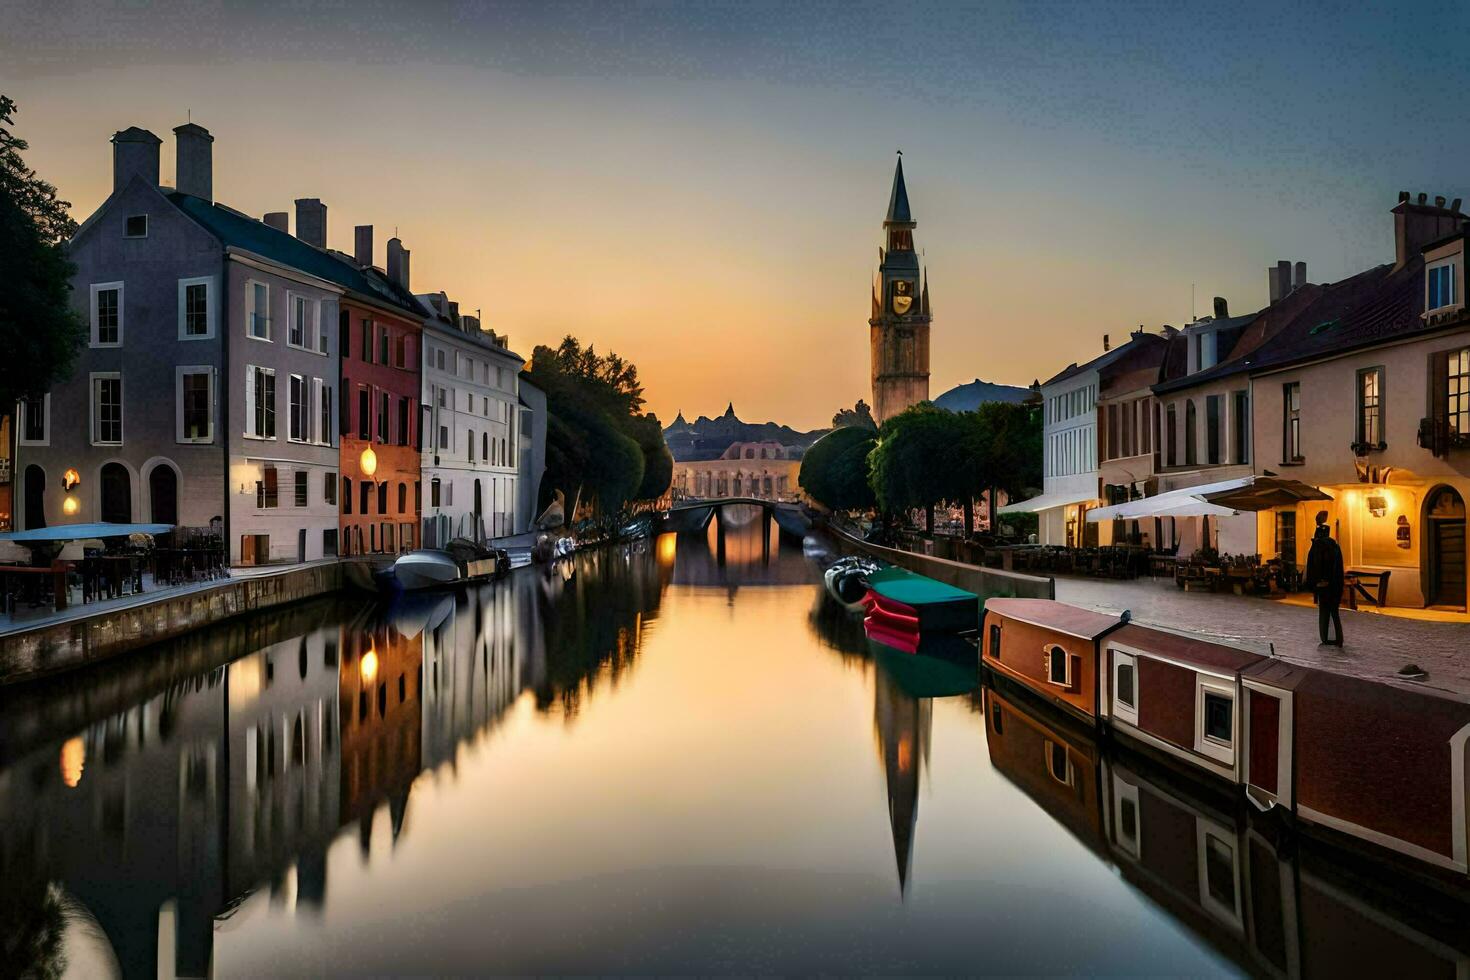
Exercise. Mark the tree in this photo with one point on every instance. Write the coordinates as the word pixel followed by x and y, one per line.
pixel 600 448
pixel 834 469
pixel 859 416
pixel 915 463
pixel 40 333
pixel 1014 437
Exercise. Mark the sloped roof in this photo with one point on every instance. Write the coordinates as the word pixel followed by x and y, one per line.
pixel 241 231
pixel 1380 304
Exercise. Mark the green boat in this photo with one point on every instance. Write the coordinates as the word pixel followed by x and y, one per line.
pixel 901 599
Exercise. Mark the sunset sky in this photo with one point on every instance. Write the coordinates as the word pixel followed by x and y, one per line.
pixel 700 187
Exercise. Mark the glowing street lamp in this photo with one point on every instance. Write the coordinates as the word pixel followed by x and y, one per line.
pixel 69 506
pixel 368 462
pixel 369 666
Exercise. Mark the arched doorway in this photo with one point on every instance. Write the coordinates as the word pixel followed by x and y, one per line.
pixel 35 490
pixel 163 494
pixel 1444 548
pixel 117 494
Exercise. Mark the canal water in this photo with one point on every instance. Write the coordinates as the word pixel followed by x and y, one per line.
pixel 674 756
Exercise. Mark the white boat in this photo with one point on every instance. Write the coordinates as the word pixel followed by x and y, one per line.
pixel 459 561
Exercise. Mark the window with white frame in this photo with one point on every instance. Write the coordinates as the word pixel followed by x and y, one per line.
pixel 196 308
pixel 1215 719
pixel 258 310
pixel 1058 666
pixel 35 429
pixel 1439 282
pixel 1219 872
pixel 300 488
pixel 1291 422
pixel 1126 816
pixel 107 314
pixel 300 331
pixel 194 401
pixel 324 411
pixel 321 328
pixel 298 413
pixel 1125 686
pixel 260 402
pixel 439 358
pixel 107 417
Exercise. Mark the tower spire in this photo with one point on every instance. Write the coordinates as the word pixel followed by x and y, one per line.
pixel 898 199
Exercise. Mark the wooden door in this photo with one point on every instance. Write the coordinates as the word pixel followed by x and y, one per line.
pixel 1449 562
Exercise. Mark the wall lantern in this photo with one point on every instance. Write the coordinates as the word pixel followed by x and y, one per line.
pixel 70 479
pixel 369 666
pixel 368 462
pixel 69 506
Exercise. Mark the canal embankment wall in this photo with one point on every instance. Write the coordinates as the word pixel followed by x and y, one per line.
pixel 78 641
pixel 987 583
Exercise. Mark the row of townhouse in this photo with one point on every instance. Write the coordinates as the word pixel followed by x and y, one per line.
pixel 294 400
pixel 1357 392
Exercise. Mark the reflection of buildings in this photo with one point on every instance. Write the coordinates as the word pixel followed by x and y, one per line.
pixel 1276 911
pixel 902 724
pixel 741 546
pixel 166 790
pixel 379 689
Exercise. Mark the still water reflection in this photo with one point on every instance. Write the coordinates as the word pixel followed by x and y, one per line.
pixel 671 757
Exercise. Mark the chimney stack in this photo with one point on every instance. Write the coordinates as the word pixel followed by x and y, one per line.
pixel 1222 308
pixel 1300 279
pixel 194 161
pixel 134 154
pixel 398 262
pixel 279 220
pixel 362 245
pixel 1279 278
pixel 311 221
pixel 1415 225
pixel 1106 345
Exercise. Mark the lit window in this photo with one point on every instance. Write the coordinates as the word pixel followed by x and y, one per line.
pixel 1457 387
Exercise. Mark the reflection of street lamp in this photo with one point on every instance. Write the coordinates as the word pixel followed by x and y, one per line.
pixel 368 462
pixel 369 666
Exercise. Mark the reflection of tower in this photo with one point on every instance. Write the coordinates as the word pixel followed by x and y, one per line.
pixel 899 327
pixel 902 724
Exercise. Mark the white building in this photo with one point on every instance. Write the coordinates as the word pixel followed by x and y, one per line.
pixel 1070 475
pixel 471 427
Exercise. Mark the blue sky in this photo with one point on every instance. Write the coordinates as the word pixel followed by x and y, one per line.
pixel 700 186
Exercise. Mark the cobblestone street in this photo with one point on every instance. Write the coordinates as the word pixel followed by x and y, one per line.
pixel 1375 645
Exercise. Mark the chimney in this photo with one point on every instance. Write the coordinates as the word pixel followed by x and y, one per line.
pixel 1416 224
pixel 194 161
pixel 1300 279
pixel 398 262
pixel 454 313
pixel 279 220
pixel 1222 309
pixel 1106 345
pixel 362 245
pixel 311 221
pixel 134 154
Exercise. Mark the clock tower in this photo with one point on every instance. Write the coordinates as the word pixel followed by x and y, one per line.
pixel 899 327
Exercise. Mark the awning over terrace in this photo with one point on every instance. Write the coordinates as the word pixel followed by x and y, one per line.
pixel 76 532
pixel 1223 499
pixel 1046 502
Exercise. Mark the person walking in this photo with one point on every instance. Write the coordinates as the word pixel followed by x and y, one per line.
pixel 1325 573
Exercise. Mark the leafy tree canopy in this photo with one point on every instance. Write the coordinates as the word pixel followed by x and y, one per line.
pixel 834 470
pixel 39 331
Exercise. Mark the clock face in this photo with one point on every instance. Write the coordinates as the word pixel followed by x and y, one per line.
pixel 903 296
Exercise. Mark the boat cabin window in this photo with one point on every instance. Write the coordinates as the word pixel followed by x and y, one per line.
pixel 1058 666
pixel 995 640
pixel 1058 764
pixel 1125 684
pixel 1128 819
pixel 1218 717
pixel 1219 889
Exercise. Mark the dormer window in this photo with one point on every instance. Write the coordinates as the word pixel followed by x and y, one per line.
pixel 1440 286
pixel 136 226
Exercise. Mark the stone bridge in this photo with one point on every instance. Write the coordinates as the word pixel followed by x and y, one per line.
pixel 695 513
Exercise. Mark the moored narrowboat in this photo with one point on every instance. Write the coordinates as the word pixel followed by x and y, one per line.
pixel 901 600
pixel 1050 648
pixel 1176 695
